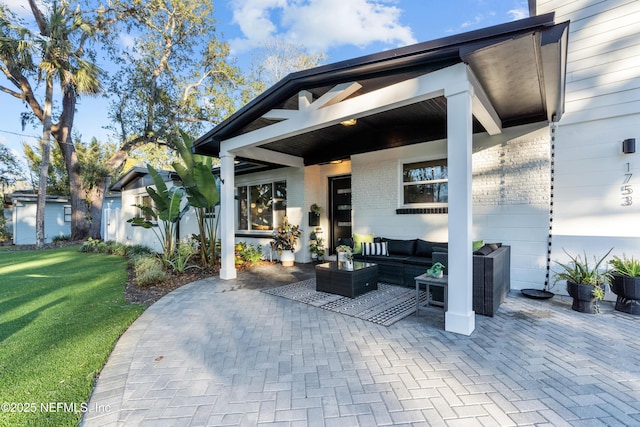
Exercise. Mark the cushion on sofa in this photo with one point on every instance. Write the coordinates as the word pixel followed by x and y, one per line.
pixel 375 248
pixel 424 248
pixel 359 239
pixel 476 244
pixel 440 248
pixel 484 250
pixel 419 261
pixel 401 247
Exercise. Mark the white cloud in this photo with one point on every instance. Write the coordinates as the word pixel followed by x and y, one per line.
pixel 319 24
pixel 520 13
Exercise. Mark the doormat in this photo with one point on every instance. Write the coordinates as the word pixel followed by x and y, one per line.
pixel 384 306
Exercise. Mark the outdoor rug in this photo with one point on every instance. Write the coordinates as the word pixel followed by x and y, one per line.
pixel 384 306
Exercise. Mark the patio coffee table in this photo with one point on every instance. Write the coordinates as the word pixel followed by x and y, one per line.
pixel 335 278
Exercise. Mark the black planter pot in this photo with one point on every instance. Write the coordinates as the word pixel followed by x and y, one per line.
pixel 628 291
pixel 583 299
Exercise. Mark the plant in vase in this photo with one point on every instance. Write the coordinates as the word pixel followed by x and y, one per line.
pixel 625 283
pixel 345 256
pixel 316 246
pixel 284 241
pixel 585 281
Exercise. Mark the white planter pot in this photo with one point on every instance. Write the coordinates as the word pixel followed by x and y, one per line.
pixel 287 258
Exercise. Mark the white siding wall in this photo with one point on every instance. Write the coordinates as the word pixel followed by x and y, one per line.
pixel 135 235
pixel 24 222
pixel 510 196
pixel 602 109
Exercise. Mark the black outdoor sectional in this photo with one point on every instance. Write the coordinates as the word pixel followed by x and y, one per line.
pixel 407 259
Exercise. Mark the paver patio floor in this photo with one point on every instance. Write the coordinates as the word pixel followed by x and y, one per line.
pixel 218 353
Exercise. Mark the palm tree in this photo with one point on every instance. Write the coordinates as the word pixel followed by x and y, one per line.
pixel 55 53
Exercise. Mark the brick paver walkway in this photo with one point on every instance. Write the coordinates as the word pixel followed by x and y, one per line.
pixel 215 353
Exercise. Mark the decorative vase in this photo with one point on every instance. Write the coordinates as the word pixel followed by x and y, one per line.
pixel 628 291
pixel 583 299
pixel 287 258
pixel 342 256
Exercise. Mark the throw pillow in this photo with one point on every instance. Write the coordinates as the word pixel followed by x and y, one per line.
pixel 485 250
pixel 359 239
pixel 375 248
pixel 477 244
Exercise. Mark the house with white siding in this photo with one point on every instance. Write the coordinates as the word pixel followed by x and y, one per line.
pixel 596 204
pixel 57 218
pixel 132 189
pixel 529 118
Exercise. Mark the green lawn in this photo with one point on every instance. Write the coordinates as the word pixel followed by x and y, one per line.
pixel 61 312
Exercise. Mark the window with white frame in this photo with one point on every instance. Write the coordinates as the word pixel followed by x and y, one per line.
pixel 67 214
pixel 261 207
pixel 144 200
pixel 425 183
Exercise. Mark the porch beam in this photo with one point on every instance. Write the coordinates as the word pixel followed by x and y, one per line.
pixel 460 317
pixel 336 94
pixel 401 94
pixel 482 108
pixel 227 217
pixel 271 156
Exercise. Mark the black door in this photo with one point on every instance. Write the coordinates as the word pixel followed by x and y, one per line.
pixel 339 209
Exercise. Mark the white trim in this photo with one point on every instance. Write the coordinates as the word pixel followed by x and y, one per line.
pixel 401 184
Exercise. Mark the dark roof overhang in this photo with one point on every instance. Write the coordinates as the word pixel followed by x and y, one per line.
pixel 521 66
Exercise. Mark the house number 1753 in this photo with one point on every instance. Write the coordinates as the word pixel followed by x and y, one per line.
pixel 627 189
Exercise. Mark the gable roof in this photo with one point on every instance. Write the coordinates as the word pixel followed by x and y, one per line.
pixel 520 65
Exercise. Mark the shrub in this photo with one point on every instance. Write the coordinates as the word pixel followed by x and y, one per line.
pixel 149 270
pixel 135 250
pixel 102 248
pixel 117 249
pixel 58 239
pixel 90 245
pixel 248 253
pixel 181 256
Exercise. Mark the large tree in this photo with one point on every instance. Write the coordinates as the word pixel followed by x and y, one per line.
pixel 175 74
pixel 274 61
pixel 57 49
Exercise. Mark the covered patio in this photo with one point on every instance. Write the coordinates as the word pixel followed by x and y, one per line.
pixel 478 82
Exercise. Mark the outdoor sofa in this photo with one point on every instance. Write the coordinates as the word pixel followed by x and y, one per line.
pixel 406 259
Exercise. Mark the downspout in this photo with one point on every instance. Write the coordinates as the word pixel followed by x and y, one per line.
pixel 552 149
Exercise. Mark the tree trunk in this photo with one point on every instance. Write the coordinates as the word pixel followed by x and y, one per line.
pixel 95 200
pixel 44 166
pixel 80 216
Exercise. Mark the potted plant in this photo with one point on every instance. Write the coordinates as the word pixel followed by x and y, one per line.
pixel 625 283
pixel 316 246
pixel 345 257
pixel 284 241
pixel 314 215
pixel 585 282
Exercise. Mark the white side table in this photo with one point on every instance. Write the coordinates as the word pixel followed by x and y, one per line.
pixel 428 281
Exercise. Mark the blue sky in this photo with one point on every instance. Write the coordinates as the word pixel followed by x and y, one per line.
pixel 342 29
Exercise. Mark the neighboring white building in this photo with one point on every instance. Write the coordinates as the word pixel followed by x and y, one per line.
pixel 132 187
pixel 22 213
pixel 57 218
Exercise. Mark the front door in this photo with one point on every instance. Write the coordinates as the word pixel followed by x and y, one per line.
pixel 339 209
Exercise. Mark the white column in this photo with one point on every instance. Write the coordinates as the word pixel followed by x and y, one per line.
pixel 227 220
pixel 460 317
